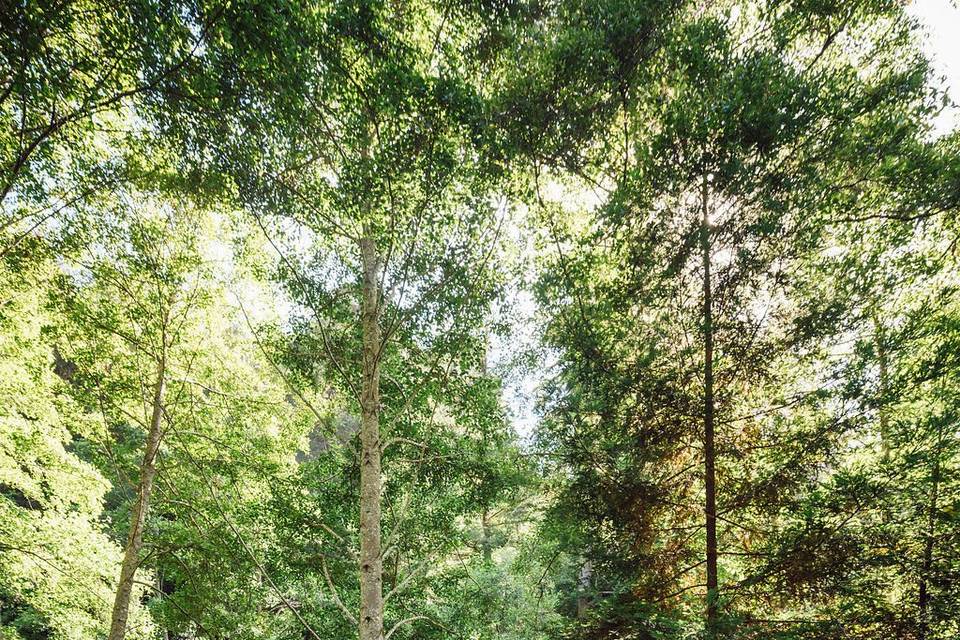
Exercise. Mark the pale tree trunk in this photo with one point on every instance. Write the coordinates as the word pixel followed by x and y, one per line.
pixel 584 581
pixel 486 543
pixel 138 518
pixel 371 562
pixel 708 446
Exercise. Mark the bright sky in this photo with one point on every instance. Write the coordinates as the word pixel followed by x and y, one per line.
pixel 942 21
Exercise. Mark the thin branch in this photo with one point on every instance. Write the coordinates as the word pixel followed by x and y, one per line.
pixel 406 580
pixel 263 572
pixel 403 622
pixel 333 592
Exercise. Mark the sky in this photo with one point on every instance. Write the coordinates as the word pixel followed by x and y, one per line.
pixel 941 18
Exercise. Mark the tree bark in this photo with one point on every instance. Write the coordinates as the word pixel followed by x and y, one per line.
pixel 148 471
pixel 371 562
pixel 923 599
pixel 708 422
pixel 881 346
pixel 486 544
pixel 584 581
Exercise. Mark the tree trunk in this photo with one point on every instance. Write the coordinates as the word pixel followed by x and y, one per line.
pixel 486 544
pixel 584 581
pixel 148 471
pixel 883 412
pixel 881 346
pixel 708 445
pixel 371 562
pixel 923 599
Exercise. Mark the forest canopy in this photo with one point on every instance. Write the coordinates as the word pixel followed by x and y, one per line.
pixel 479 320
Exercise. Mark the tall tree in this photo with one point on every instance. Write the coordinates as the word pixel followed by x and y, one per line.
pixel 709 449
pixel 152 341
pixel 780 123
pixel 366 140
pixel 56 561
pixel 144 292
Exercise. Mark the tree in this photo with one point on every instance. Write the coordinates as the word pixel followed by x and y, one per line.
pixel 56 559
pixel 160 356
pixel 258 261
pixel 367 140
pixel 757 134
pixel 895 392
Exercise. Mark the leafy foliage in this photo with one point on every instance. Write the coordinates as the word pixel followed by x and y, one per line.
pixel 258 264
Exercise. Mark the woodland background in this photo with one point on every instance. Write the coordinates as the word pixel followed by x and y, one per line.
pixel 269 270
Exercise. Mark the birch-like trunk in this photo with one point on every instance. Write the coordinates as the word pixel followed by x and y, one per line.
pixel 371 562
pixel 486 544
pixel 883 409
pixel 584 582
pixel 710 487
pixel 138 518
